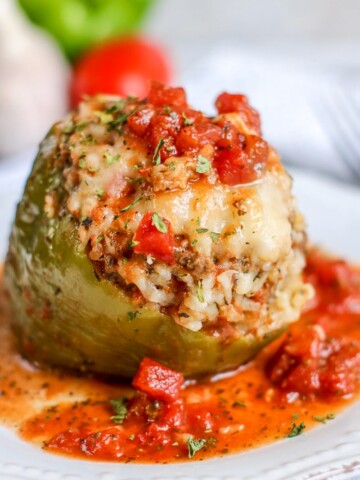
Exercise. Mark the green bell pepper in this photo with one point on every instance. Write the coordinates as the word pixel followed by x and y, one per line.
pixel 65 315
pixel 79 24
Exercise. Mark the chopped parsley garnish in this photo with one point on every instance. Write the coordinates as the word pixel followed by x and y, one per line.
pixel 156 157
pixel 200 291
pixel 110 159
pixel 187 122
pixel 133 315
pixel 158 222
pixel 194 445
pixel 88 140
pixel 203 165
pixel 295 416
pixel 119 120
pixel 99 238
pixel 296 429
pixel 86 222
pixel 133 243
pixel 214 236
pixel 132 204
pixel 120 409
pixel 68 128
pixel 81 125
pixel 202 230
pixel 172 166
pixel 237 403
pixel 319 419
pixel 117 107
pixel 104 117
pixel 82 163
pixel 99 192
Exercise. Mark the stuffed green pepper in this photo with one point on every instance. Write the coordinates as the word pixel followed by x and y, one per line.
pixel 148 229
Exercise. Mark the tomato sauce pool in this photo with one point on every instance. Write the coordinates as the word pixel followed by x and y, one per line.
pixel 303 379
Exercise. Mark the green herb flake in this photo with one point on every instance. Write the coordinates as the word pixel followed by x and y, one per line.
pixel 319 419
pixel 202 230
pixel 214 236
pixel 157 157
pixel 99 192
pixel 88 140
pixel 296 429
pixel 237 403
pixel 295 416
pixel 86 222
pixel 194 445
pixel 132 437
pixel 81 125
pixel 200 291
pixel 330 416
pixel 133 243
pixel 68 128
pixel 172 166
pixel 99 238
pixel 133 315
pixel 159 223
pixel 187 122
pixel 116 107
pixel 120 409
pixel 104 117
pixel 110 159
pixel 82 163
pixel 132 204
pixel 119 120
pixel 203 165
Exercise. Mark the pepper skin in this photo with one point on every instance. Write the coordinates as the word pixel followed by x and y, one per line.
pixel 65 315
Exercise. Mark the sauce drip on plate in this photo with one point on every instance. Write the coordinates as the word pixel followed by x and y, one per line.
pixel 303 379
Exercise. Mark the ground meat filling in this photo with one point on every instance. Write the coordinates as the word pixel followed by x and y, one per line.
pixel 189 214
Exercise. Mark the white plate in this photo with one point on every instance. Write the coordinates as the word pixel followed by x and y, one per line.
pixel 331 451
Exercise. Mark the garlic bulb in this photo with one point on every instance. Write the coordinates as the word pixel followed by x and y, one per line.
pixel 33 81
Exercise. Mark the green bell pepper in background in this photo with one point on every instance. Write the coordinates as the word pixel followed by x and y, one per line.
pixel 79 24
pixel 65 315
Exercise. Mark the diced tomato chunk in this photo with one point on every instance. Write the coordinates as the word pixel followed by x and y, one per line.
pixel 149 240
pixel 68 441
pixel 332 272
pixel 307 362
pixel 105 444
pixel 234 166
pixel 140 120
pixel 228 103
pixel 158 381
pixel 187 139
pixel 208 133
pixel 161 95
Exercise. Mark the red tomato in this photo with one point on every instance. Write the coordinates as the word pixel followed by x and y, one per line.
pixel 150 241
pixel 307 363
pixel 122 67
pixel 158 381
pixel 68 441
pixel 105 444
pixel 228 103
pixel 160 95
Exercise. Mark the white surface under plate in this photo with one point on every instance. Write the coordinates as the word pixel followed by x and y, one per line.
pixel 330 451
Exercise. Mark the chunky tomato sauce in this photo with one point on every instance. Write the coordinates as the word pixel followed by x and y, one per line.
pixel 303 379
